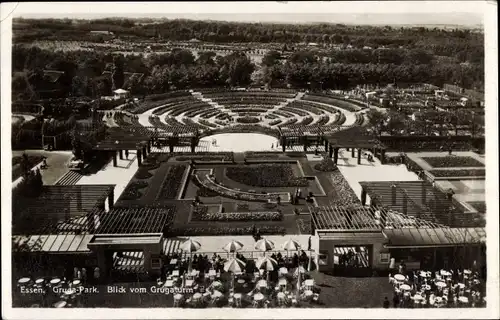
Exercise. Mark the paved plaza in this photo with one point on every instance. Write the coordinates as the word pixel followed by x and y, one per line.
pixel 370 171
pixel 119 175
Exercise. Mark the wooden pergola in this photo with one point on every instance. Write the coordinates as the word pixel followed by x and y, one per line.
pixel 44 214
pixel 420 199
pixel 363 218
pixel 307 134
pixel 354 137
pixel 135 220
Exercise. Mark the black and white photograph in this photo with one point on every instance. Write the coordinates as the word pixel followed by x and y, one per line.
pixel 293 159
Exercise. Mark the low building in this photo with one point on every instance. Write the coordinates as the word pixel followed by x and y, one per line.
pixel 121 94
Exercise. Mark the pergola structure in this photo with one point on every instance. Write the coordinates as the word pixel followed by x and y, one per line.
pixel 354 137
pixel 420 199
pixel 140 138
pixel 135 220
pixel 300 133
pixel 44 213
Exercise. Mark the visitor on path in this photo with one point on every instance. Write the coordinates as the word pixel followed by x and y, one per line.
pixel 44 163
pixel 395 300
pixel 97 273
pixel 309 244
pixel 386 303
pixel 84 274
pixel 272 146
pixel 75 273
pixel 126 154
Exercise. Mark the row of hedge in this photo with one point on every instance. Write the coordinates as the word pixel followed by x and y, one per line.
pixel 201 213
pixel 224 231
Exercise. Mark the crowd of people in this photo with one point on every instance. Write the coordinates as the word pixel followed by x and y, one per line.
pixel 443 288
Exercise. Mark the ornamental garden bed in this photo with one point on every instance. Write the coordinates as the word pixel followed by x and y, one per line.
pixel 458 173
pixel 202 213
pixel 172 182
pixel 345 194
pixel 241 195
pixel 205 156
pixel 134 190
pixel 223 231
pixel 266 175
pixel 452 162
pixel 248 120
pixel 480 206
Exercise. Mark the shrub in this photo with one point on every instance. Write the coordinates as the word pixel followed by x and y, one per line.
pixel 326 165
pixel 142 174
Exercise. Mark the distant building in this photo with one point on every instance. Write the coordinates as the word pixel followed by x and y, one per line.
pixel 101 32
pixel 121 94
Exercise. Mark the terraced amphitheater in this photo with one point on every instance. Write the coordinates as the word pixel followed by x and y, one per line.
pixel 209 110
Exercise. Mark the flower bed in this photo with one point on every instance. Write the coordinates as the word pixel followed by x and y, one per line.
pixel 275 122
pixel 266 175
pixel 201 213
pixel 458 173
pixel 452 162
pixel 289 122
pixel 202 190
pixel 207 123
pixel 308 106
pixel 271 116
pixel 133 190
pixel 304 227
pixel 238 195
pixel 250 120
pixel 210 156
pixel 326 165
pixel 346 196
pixel 306 121
pixel 16 165
pixel 223 231
pixel 480 206
pixel 340 119
pixel 346 105
pixel 323 120
pixel 360 119
pixel 295 111
pixel 172 182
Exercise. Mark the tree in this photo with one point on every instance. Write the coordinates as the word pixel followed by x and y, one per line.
pixel 271 58
pixel 118 72
pixel 376 120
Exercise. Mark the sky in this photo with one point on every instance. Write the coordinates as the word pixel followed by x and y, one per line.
pixel 464 13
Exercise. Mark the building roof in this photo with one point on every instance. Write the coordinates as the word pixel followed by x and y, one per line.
pixel 56 203
pixel 120 91
pixel 436 237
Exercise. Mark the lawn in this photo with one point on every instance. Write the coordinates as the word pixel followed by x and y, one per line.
pixel 452 162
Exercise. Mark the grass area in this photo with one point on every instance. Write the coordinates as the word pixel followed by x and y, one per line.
pixel 459 173
pixel 452 162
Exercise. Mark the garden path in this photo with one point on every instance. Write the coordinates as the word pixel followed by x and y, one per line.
pixel 119 175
